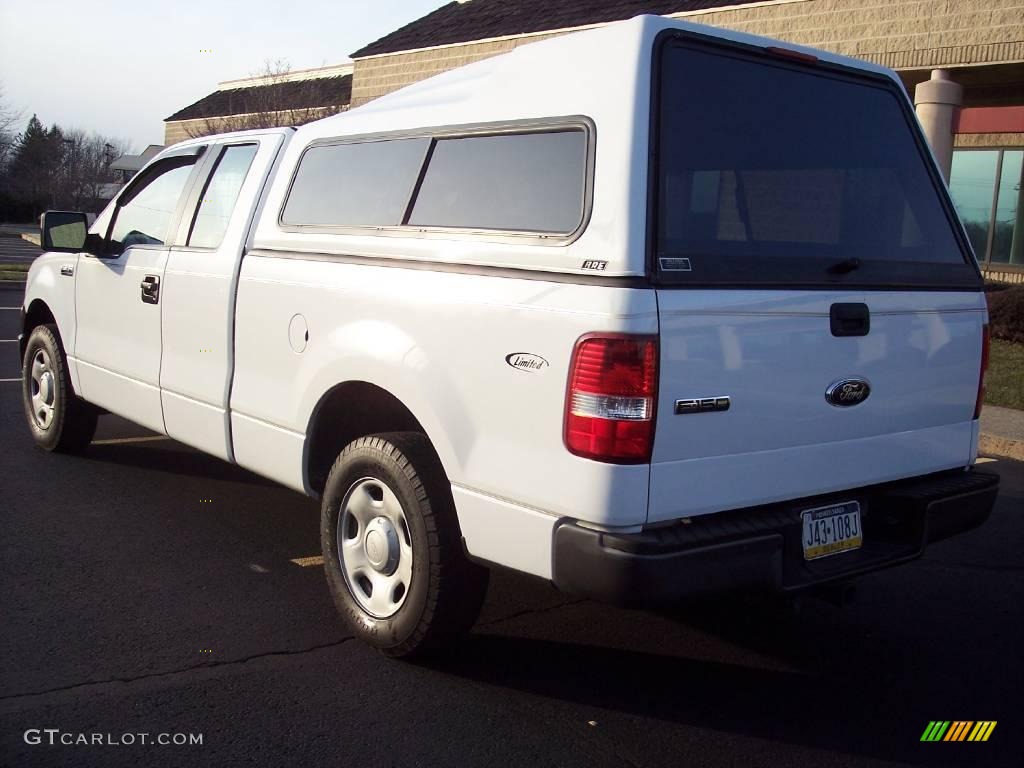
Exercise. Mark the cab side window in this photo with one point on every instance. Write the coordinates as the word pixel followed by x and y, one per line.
pixel 146 218
pixel 218 198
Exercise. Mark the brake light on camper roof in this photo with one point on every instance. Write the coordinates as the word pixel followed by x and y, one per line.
pixel 787 53
pixel 613 382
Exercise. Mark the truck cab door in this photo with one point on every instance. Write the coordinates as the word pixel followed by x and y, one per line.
pixel 118 292
pixel 198 289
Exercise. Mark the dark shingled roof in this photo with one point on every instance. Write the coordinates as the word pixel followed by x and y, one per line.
pixel 296 94
pixel 482 19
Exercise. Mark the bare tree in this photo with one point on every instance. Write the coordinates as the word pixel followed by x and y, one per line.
pixel 9 120
pixel 85 167
pixel 277 100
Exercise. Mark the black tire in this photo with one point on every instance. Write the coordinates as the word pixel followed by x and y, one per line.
pixel 447 590
pixel 71 422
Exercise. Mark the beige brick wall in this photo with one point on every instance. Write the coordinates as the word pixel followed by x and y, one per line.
pixel 902 34
pixel 177 130
pixel 1005 275
pixel 377 76
pixel 989 140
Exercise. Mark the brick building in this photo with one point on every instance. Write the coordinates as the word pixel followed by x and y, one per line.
pixel 962 60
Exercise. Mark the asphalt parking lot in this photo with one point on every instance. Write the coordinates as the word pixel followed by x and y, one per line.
pixel 14 250
pixel 147 588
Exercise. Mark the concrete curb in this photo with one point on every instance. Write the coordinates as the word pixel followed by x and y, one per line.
pixel 34 239
pixel 1005 447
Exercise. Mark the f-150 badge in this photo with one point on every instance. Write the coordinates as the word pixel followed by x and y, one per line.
pixel 702 405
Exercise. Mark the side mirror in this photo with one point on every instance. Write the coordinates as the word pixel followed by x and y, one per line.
pixel 63 231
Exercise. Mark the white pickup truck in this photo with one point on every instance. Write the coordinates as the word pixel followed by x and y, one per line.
pixel 695 316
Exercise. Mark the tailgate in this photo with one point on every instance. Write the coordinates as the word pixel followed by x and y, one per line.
pixel 774 356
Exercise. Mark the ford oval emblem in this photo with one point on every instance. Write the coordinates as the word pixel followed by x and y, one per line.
pixel 847 392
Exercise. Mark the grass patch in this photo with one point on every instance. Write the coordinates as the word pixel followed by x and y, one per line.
pixel 14 271
pixel 1004 383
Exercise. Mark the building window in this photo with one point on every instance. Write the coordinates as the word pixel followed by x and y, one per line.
pixel 986 189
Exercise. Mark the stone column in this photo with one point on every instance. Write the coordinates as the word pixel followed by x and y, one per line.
pixel 936 102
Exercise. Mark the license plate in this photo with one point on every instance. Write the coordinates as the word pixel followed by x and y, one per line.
pixel 831 530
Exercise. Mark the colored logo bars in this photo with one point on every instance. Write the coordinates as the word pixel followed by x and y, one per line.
pixel 958 730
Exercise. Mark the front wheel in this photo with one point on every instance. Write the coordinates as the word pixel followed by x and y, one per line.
pixel 57 418
pixel 392 548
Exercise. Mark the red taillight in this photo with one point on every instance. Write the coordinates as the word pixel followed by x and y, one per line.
pixel 981 376
pixel 613 386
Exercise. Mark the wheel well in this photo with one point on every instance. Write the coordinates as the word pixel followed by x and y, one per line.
pixel 38 314
pixel 347 412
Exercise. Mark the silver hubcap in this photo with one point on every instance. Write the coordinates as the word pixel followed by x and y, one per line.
pixel 375 548
pixel 44 390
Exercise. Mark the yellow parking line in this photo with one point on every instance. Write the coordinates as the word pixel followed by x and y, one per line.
pixel 119 440
pixel 307 562
pixel 983 460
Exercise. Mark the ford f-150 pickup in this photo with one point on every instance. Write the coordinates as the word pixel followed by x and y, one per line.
pixel 695 316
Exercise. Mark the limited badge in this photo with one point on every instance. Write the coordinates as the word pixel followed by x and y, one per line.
pixel 526 361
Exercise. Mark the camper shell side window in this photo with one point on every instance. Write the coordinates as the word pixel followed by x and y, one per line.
pixel 531 179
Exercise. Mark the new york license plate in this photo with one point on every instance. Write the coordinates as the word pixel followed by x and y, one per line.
pixel 831 530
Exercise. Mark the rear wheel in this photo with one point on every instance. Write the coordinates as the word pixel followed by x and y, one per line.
pixel 392 548
pixel 57 418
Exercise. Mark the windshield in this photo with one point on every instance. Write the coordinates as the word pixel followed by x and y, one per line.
pixel 770 172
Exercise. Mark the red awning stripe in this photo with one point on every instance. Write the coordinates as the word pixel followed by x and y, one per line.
pixel 989 120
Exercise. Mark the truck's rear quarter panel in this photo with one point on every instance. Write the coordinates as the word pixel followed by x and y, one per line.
pixel 438 341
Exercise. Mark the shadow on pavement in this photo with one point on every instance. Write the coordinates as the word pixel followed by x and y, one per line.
pixel 838 694
pixel 779 706
pixel 175 459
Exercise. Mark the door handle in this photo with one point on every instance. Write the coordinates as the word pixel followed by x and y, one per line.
pixel 850 319
pixel 150 289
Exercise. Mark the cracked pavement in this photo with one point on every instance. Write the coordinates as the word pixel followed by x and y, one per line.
pixel 127 606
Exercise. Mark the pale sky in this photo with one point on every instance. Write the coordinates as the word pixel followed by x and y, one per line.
pixel 120 67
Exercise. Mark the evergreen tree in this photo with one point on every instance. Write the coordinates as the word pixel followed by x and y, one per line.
pixel 35 163
pixel 53 168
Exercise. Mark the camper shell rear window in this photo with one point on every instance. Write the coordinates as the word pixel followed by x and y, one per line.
pixel 773 172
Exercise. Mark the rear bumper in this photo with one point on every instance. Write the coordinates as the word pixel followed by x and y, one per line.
pixel 760 547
